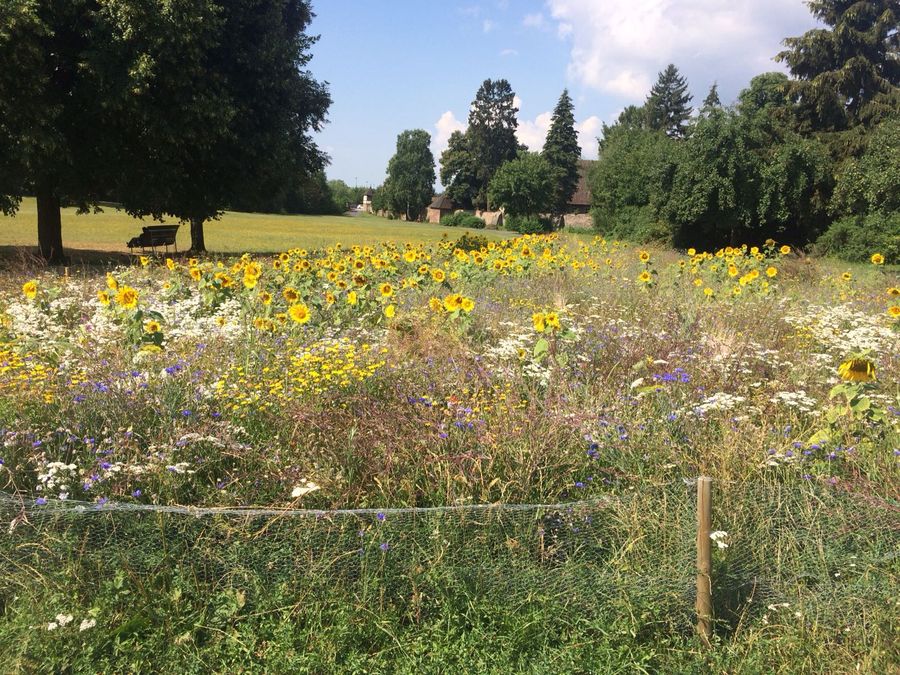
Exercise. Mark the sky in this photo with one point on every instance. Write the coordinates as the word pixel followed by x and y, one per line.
pixel 393 65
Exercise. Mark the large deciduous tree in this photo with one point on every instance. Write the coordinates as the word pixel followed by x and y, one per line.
pixel 525 186
pixel 222 106
pixel 562 152
pixel 849 72
pixel 61 84
pixel 171 108
pixel 668 105
pixel 472 158
pixel 410 174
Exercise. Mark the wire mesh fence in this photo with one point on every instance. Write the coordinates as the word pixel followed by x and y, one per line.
pixel 825 553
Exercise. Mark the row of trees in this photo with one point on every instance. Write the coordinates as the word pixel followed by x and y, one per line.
pixel 176 108
pixel 813 157
pixel 485 166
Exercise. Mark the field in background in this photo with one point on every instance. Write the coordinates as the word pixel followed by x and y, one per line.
pixel 234 233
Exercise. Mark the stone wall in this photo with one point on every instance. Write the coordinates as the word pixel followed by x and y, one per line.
pixel 578 220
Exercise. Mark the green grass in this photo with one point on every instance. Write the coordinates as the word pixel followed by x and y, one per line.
pixel 234 233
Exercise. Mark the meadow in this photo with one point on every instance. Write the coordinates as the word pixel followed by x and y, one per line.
pixel 426 455
pixel 109 230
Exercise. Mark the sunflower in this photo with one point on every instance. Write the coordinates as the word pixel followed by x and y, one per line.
pixel 265 298
pixel 732 271
pixel 894 311
pixel 692 252
pixel 468 305
pixel 893 291
pixel 539 321
pixel 250 281
pixel 435 304
pixel 170 264
pixel 195 273
pixel 698 282
pixel 644 277
pixel 453 302
pixel 30 289
pixel 708 292
pixel 352 298
pixel 144 260
pixel 552 319
pixel 846 276
pixel 103 297
pixel 152 327
pixel 410 256
pixel 771 272
pixel 127 297
pixel 389 311
pixel 438 275
pixel 644 257
pixel 877 259
pixel 299 313
pixel 785 250
pixel 290 294
pixel 111 282
pixel 329 297
pixel 386 290
pixel 857 370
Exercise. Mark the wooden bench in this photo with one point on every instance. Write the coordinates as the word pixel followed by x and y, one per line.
pixel 153 236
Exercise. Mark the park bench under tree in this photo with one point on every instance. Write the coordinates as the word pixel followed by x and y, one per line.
pixel 154 236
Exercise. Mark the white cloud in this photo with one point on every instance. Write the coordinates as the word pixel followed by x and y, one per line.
pixel 509 52
pixel 618 48
pixel 487 25
pixel 533 20
pixel 444 127
pixel 533 133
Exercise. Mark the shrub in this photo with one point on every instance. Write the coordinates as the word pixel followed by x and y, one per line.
pixel 856 238
pixel 638 224
pixel 471 242
pixel 528 224
pixel 463 219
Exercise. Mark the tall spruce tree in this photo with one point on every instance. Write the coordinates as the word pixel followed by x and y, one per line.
pixel 668 105
pixel 849 73
pixel 712 100
pixel 562 152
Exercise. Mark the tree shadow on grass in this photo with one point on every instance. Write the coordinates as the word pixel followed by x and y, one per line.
pixel 27 258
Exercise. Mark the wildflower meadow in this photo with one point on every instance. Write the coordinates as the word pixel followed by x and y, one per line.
pixel 472 455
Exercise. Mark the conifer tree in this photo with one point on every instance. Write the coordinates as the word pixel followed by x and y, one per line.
pixel 562 152
pixel 668 105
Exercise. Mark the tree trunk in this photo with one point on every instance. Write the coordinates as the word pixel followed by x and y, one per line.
pixel 49 227
pixel 198 245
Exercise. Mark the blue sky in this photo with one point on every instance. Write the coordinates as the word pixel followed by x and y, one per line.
pixel 416 64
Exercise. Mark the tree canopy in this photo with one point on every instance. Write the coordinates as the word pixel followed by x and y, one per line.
pixel 562 152
pixel 848 72
pixel 170 108
pixel 410 174
pixel 525 186
pixel 668 105
pixel 472 158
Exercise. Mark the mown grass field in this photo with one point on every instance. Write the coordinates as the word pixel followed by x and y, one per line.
pixel 416 458
pixel 233 233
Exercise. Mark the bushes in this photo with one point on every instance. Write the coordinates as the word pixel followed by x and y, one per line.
pixel 856 238
pixel 471 242
pixel 463 219
pixel 632 223
pixel 528 224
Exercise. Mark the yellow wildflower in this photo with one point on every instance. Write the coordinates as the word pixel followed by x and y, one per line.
pixel 877 259
pixel 152 326
pixel 127 297
pixel 389 311
pixel 30 289
pixel 538 320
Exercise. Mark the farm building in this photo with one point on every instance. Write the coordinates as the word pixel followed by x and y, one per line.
pixel 440 206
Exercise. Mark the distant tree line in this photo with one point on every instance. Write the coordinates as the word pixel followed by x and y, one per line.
pixel 812 158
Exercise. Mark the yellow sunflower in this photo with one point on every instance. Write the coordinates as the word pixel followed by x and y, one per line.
pixel 877 259
pixel 152 327
pixel 299 313
pixel 386 290
pixel 127 297
pixel 30 289
pixel 857 370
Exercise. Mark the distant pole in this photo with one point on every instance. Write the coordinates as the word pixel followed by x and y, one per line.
pixel 704 558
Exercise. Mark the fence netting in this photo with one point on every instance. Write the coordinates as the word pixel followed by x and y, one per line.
pixel 819 551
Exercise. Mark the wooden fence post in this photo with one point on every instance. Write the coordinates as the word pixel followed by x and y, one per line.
pixel 704 558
